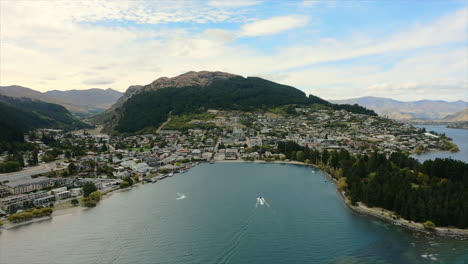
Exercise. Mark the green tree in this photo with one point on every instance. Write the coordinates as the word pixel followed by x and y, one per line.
pixel 300 155
pixel 88 188
pixel 92 199
pixel 10 166
pixel 75 202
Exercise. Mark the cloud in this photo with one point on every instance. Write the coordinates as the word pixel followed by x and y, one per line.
pixel 63 42
pixel 229 4
pixel 99 81
pixel 273 25
pixel 309 3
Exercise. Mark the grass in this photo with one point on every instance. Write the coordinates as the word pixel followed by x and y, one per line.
pixel 62 206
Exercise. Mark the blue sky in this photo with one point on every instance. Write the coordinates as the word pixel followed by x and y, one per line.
pixel 407 50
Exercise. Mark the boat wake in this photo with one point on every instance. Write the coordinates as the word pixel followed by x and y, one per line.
pixel 261 201
pixel 181 196
pixel 235 241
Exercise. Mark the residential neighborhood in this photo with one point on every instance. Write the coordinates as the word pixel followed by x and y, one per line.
pixel 77 157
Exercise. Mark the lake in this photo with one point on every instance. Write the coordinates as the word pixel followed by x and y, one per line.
pixel 211 215
pixel 459 136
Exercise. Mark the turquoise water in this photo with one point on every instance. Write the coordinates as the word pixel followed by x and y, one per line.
pixel 219 222
pixel 459 136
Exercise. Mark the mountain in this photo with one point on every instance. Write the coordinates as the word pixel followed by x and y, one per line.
pixel 96 100
pixel 81 103
pixel 187 79
pixel 416 110
pixel 143 108
pixel 20 115
pixel 461 116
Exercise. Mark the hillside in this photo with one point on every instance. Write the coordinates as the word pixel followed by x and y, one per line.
pixel 149 106
pixel 20 115
pixel 461 116
pixel 399 110
pixel 96 100
pixel 79 102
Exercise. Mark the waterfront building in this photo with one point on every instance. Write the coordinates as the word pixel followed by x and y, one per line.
pixel 30 185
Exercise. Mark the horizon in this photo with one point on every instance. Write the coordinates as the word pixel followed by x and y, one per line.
pixel 332 49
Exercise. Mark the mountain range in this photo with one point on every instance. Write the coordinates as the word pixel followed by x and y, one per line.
pixel 79 102
pixel 408 111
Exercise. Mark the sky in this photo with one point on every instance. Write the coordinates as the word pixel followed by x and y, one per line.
pixel 401 49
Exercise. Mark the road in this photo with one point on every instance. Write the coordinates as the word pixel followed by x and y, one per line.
pixel 163 124
pixel 28 172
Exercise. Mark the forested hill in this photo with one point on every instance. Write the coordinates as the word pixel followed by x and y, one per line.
pixel 20 115
pixel 149 109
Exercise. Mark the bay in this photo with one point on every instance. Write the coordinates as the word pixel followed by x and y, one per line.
pixel 221 221
pixel 459 137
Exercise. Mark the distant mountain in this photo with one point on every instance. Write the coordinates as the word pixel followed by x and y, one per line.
pixel 96 100
pixel 20 115
pixel 75 101
pixel 144 108
pixel 461 116
pixel 416 110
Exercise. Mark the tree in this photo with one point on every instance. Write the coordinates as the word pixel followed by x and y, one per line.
pixel 10 166
pixel 124 184
pixel 300 155
pixel 75 202
pixel 95 196
pixel 33 160
pixel 88 188
pixel 71 168
pixel 92 199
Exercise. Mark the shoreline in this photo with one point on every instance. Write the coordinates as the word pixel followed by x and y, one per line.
pixel 380 213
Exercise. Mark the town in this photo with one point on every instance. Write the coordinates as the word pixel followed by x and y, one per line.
pixel 54 173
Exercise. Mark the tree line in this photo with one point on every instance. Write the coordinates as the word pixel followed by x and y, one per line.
pixel 435 190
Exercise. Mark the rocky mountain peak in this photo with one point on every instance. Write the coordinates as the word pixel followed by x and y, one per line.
pixel 191 78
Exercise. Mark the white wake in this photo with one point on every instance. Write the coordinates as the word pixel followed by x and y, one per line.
pixel 181 196
pixel 261 201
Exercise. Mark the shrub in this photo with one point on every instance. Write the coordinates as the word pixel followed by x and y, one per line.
pixel 429 225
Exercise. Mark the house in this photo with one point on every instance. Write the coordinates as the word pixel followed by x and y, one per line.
pixel 231 154
pixel 141 167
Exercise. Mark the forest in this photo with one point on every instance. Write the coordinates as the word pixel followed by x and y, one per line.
pixel 21 115
pixel 436 190
pixel 150 109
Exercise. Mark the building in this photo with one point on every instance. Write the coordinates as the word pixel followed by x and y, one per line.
pixel 4 191
pixel 58 190
pixel 62 195
pixel 22 201
pixel 30 185
pixel 76 192
pixel 44 201
pixel 231 154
